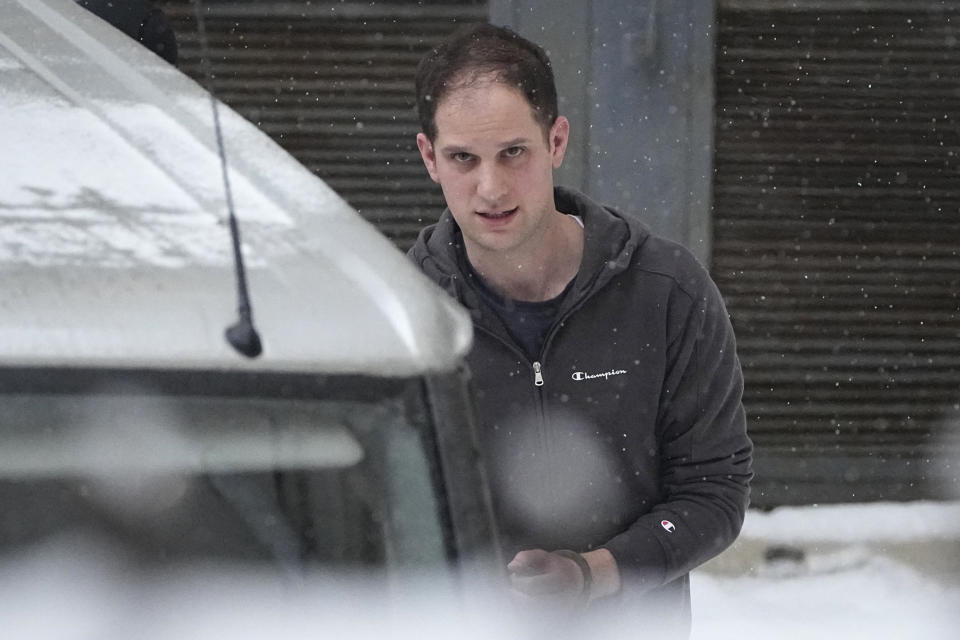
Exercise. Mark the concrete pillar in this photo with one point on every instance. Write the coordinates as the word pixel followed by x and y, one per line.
pixel 636 80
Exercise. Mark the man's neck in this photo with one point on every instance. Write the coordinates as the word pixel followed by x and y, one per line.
pixel 534 273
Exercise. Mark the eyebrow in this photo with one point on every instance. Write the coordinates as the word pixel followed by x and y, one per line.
pixel 513 143
pixel 452 148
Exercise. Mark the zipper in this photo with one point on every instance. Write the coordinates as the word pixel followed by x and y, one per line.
pixel 537 376
pixel 538 381
pixel 537 365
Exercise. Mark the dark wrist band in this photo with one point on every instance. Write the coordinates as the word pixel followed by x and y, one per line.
pixel 584 569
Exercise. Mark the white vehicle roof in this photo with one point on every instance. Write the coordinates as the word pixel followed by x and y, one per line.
pixel 114 245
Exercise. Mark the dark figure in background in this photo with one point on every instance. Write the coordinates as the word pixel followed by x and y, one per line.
pixel 140 20
pixel 607 385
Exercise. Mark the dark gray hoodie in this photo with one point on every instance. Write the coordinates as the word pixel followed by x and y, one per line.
pixel 636 440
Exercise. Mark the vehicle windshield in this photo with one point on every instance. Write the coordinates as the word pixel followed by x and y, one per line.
pixel 296 482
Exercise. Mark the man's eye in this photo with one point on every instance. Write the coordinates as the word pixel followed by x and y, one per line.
pixel 513 152
pixel 461 156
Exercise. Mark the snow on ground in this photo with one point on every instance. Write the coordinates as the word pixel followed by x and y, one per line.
pixel 873 571
pixel 873 598
pixel 907 521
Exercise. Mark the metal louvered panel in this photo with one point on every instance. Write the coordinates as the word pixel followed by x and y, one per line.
pixel 837 241
pixel 332 82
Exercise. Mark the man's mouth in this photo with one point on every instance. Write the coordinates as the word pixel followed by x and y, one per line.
pixel 497 216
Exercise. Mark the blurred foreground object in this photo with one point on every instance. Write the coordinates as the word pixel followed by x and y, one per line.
pixel 125 416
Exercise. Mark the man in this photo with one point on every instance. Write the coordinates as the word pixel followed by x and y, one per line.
pixel 607 387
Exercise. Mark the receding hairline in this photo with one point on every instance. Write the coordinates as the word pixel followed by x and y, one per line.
pixel 483 51
pixel 478 77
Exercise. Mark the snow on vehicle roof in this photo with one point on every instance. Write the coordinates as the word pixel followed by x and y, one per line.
pixel 114 247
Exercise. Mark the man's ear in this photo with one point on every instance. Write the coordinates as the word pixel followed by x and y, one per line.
pixel 559 137
pixel 429 155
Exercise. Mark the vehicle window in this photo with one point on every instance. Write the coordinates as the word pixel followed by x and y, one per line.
pixel 293 482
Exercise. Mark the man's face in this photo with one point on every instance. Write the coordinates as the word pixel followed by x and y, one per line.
pixel 495 166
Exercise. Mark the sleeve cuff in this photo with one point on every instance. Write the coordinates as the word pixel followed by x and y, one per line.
pixel 641 559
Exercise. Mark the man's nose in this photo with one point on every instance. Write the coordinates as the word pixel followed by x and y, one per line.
pixel 492 186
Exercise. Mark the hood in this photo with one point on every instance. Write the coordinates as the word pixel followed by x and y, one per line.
pixel 610 238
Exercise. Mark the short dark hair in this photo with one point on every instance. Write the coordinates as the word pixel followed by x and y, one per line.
pixel 483 50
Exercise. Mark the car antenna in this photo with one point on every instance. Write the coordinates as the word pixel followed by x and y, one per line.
pixel 242 335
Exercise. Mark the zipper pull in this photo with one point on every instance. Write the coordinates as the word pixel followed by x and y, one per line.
pixel 537 378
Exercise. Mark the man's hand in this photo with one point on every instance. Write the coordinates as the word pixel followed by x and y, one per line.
pixel 540 574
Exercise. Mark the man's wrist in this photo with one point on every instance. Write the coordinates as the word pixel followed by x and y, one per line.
pixel 586 587
pixel 604 572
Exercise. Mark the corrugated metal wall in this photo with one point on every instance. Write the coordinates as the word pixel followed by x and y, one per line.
pixel 332 82
pixel 837 241
pixel 836 202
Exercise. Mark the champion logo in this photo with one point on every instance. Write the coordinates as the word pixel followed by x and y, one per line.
pixel 667 526
pixel 580 375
